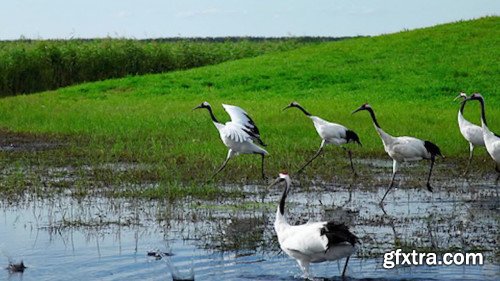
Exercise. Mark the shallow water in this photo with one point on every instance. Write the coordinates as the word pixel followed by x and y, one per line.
pixel 108 239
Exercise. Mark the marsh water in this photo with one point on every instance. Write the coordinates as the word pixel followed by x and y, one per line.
pixel 99 238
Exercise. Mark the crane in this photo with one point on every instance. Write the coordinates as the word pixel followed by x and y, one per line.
pixel 238 135
pixel 471 132
pixel 491 140
pixel 402 149
pixel 312 242
pixel 330 133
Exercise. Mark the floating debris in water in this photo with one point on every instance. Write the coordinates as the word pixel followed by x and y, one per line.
pixel 16 267
pixel 158 255
pixel 183 279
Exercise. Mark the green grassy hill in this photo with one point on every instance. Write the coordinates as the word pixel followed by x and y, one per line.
pixel 409 78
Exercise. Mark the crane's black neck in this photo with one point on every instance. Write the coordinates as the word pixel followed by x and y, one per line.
pixel 282 201
pixel 212 114
pixel 374 118
pixel 483 113
pixel 303 109
pixel 462 107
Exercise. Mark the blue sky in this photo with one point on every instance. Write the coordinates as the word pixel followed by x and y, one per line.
pixel 45 19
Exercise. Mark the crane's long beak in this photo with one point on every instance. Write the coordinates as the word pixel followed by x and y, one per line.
pixel 457 97
pixel 274 182
pixel 287 107
pixel 199 106
pixel 360 108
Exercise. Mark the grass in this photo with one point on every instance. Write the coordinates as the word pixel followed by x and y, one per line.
pixel 28 66
pixel 240 206
pixel 174 192
pixel 410 78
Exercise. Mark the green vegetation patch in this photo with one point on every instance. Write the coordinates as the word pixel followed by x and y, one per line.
pixel 175 191
pixel 409 78
pixel 28 66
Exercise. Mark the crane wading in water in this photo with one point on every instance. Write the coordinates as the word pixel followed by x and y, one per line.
pixel 312 242
pixel 238 134
pixel 491 140
pixel 471 132
pixel 402 149
pixel 330 133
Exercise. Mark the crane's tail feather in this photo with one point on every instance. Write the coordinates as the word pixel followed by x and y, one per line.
pixel 352 136
pixel 433 149
pixel 337 233
pixel 261 142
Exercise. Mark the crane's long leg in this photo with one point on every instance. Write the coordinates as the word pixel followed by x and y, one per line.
pixel 429 187
pixel 305 268
pixel 350 159
pixel 229 155
pixel 471 148
pixel 497 167
pixel 314 157
pixel 394 170
pixel 262 166
pixel 345 266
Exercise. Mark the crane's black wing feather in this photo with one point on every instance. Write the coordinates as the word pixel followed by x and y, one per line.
pixel 337 233
pixel 432 149
pixel 352 136
pixel 252 130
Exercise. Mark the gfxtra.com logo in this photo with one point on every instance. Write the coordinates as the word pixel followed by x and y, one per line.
pixel 397 257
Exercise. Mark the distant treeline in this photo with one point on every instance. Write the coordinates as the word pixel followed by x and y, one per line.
pixel 28 66
pixel 195 39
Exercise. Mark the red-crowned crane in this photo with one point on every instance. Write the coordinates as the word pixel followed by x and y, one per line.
pixel 402 149
pixel 238 134
pixel 471 132
pixel 491 140
pixel 330 133
pixel 312 242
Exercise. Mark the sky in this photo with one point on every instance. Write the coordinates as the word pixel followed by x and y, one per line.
pixel 64 19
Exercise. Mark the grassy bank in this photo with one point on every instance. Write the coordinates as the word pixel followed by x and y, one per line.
pixel 28 66
pixel 410 79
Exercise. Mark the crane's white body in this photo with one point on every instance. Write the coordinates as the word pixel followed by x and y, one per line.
pixel 238 135
pixel 491 140
pixel 404 148
pixel 235 135
pixel 237 140
pixel 305 244
pixel 330 133
pixel 471 132
pixel 492 143
pixel 309 243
